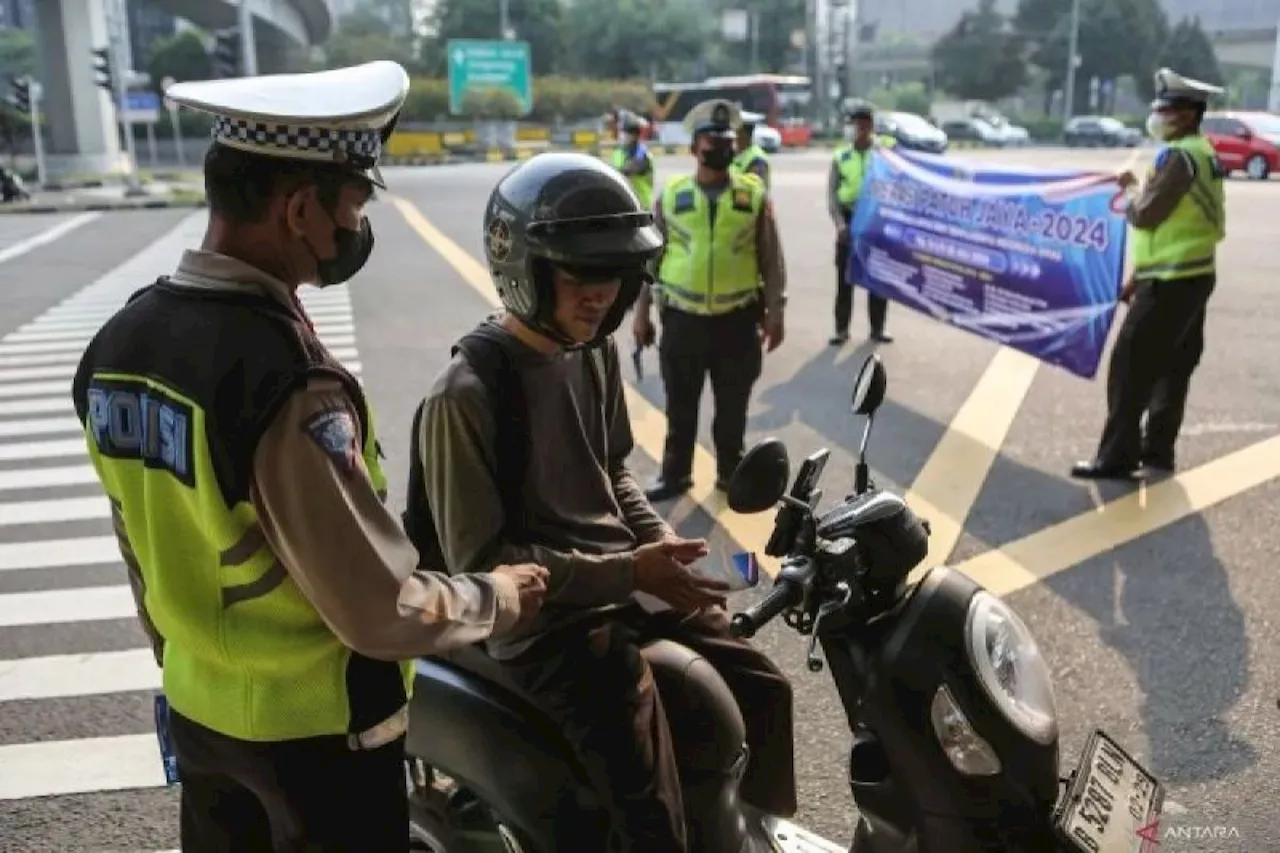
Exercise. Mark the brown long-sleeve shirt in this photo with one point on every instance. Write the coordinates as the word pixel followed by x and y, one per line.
pixel 331 531
pixel 585 510
pixel 769 256
pixel 1174 172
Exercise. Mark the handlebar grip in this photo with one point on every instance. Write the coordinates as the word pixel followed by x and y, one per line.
pixel 783 595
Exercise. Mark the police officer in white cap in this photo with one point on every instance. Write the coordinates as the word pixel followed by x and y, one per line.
pixel 1178 218
pixel 283 600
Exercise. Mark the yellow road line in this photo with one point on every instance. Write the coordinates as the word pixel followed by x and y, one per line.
pixel 648 424
pixel 949 483
pixel 1033 558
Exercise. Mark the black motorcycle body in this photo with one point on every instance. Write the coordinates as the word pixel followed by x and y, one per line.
pixel 954 731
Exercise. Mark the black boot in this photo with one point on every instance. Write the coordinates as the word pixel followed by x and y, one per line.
pixel 664 490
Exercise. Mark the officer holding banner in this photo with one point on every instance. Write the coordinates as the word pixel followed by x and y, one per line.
pixel 849 167
pixel 1178 218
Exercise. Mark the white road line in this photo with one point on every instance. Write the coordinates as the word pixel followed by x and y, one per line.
pixel 46 236
pixel 57 553
pixel 58 676
pixel 323 329
pixel 44 449
pixel 333 342
pixel 38 426
pixel 59 606
pixel 44 324
pixel 44 478
pixel 54 510
pixel 38 406
pixel 71 358
pixel 44 337
pixel 35 389
pixel 53 371
pixel 343 353
pixel 42 346
pixel 81 766
pixel 355 368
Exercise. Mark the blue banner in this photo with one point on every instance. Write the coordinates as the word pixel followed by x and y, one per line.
pixel 1029 258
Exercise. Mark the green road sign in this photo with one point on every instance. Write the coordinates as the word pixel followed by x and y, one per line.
pixel 489 64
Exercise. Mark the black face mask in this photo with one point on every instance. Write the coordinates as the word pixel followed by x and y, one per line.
pixel 353 250
pixel 717 158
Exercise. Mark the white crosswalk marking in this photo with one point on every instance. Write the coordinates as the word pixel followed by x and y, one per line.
pixel 62 581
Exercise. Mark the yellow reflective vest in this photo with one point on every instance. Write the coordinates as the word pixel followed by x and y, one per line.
pixel 642 184
pixel 174 394
pixel 1185 244
pixel 745 159
pixel 710 265
pixel 852 165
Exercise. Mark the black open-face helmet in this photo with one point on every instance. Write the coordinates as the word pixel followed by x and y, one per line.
pixel 572 211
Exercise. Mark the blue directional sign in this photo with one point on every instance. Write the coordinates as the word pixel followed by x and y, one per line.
pixel 477 64
pixel 141 107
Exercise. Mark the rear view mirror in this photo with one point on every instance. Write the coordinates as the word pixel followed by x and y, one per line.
pixel 869 386
pixel 761 478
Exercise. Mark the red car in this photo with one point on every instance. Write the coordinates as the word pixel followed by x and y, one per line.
pixel 1246 142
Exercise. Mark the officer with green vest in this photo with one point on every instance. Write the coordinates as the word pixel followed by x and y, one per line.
pixel 751 159
pixel 283 601
pixel 1178 218
pixel 632 157
pixel 849 166
pixel 721 289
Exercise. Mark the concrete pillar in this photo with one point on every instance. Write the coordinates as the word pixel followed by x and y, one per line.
pixel 83 135
pixel 1273 96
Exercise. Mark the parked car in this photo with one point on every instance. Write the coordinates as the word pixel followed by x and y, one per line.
pixel 765 136
pixel 1100 132
pixel 1014 134
pixel 973 130
pixel 912 132
pixel 1245 141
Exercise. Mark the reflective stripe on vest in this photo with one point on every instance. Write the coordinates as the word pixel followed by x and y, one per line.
pixel 1184 244
pixel 642 184
pixel 706 268
pixel 245 652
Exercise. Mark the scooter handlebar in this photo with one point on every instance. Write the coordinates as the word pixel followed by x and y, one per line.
pixel 788 591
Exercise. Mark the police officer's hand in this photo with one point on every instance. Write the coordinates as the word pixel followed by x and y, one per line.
pixel 642 329
pixel 772 332
pixel 531 584
pixel 661 571
pixel 1127 291
pixel 1126 179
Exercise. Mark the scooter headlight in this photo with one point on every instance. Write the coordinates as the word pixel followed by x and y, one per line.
pixel 1011 669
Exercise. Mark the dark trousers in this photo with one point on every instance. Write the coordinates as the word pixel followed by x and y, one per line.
pixel 592 679
pixel 1156 351
pixel 726 346
pixel 313 795
pixel 877 306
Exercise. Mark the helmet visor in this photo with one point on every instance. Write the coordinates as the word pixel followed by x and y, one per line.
pixel 616 243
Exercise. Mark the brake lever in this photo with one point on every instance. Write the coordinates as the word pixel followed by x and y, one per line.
pixel 813 660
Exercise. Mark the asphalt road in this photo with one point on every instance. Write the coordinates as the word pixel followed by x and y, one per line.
pixel 1161 639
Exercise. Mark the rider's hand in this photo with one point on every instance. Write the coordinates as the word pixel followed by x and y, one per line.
pixel 1126 292
pixel 642 329
pixel 1126 179
pixel 660 570
pixel 531 584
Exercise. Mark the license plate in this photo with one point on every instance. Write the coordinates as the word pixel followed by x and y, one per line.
pixel 1112 804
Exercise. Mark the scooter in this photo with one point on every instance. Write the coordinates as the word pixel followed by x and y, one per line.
pixel 11 187
pixel 948 699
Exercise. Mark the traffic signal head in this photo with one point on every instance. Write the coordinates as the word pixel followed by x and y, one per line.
pixel 102 67
pixel 226 53
pixel 20 94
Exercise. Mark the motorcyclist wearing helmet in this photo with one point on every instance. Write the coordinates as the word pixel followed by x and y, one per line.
pixel 848 173
pixel 632 157
pixel 568 246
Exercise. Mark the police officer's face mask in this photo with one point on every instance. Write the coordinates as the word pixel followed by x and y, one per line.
pixel 353 247
pixel 717 155
pixel 1160 126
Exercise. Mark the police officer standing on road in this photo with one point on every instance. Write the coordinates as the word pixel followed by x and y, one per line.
pixel 721 245
pixel 849 167
pixel 751 159
pixel 1178 219
pixel 632 157
pixel 282 598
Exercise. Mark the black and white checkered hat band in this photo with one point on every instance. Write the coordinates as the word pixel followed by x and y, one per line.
pixel 361 147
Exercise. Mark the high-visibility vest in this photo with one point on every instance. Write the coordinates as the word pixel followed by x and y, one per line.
pixel 175 393
pixel 710 265
pixel 1184 245
pixel 853 164
pixel 748 157
pixel 642 184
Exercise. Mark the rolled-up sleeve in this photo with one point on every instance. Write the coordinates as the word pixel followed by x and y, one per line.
pixel 773 266
pixel 321 515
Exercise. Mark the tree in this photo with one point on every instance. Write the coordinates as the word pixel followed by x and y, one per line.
pixel 981 58
pixel 774 53
pixel 17 54
pixel 376 29
pixel 535 21
pixel 181 56
pixel 1189 52
pixel 623 39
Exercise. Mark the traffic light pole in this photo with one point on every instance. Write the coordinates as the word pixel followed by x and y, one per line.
pixel 248 56
pixel 36 91
pixel 119 94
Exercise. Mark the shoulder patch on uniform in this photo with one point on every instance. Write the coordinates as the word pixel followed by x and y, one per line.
pixel 334 430
pixel 684 201
pixel 742 199
pixel 1162 157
